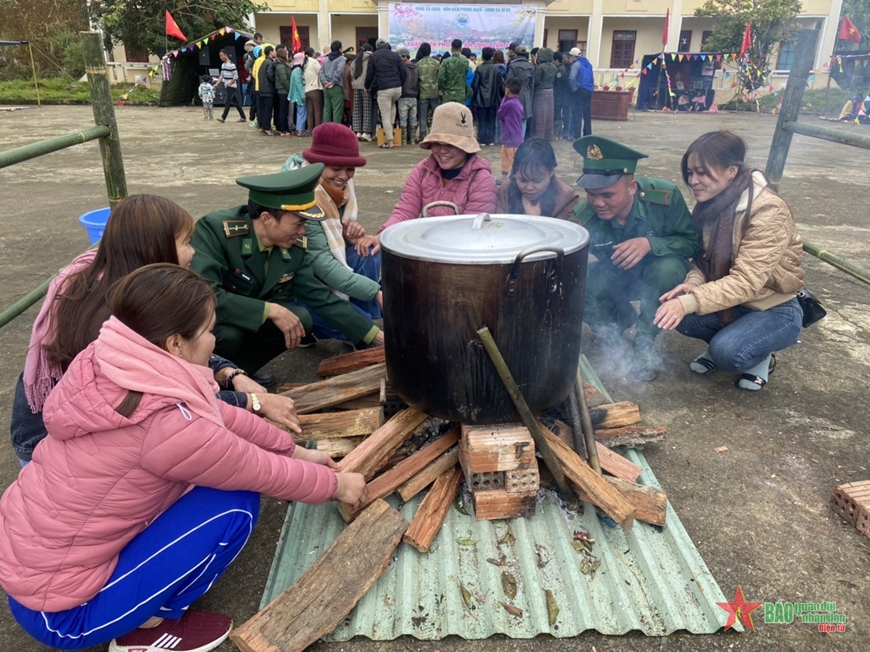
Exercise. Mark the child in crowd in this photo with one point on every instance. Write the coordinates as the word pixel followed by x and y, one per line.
pixel 510 115
pixel 534 188
pixel 206 94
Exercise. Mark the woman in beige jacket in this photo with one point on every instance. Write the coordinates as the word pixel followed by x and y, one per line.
pixel 739 295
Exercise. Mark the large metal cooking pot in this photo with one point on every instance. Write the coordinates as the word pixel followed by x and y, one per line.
pixel 446 277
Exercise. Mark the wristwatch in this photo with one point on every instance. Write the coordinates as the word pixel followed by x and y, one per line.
pixel 255 403
pixel 228 380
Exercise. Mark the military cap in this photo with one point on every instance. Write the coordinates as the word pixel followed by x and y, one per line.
pixel 292 191
pixel 604 161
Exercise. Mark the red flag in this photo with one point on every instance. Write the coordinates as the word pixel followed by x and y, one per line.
pixel 848 31
pixel 747 41
pixel 172 28
pixel 667 27
pixel 297 42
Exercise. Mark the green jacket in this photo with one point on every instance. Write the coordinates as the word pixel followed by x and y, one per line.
pixel 331 271
pixel 282 78
pixel 659 213
pixel 228 257
pixel 452 78
pixel 428 68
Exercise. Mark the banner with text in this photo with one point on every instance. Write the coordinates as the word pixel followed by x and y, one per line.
pixel 477 26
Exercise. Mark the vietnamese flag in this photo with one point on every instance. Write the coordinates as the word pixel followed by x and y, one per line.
pixel 848 31
pixel 297 42
pixel 747 41
pixel 172 28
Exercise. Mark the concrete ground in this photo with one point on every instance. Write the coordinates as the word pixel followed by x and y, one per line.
pixel 758 512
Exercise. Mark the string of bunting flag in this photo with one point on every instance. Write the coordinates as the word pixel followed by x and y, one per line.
pixel 190 46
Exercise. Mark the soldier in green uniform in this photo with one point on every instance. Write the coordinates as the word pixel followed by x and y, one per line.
pixel 254 258
pixel 642 238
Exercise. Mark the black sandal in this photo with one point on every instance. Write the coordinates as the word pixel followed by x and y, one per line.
pixel 754 383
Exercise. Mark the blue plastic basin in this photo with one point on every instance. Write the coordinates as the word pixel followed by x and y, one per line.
pixel 95 223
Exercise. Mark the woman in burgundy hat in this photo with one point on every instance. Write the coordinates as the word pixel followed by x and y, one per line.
pixel 339 245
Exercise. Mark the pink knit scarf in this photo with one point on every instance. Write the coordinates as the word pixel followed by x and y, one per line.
pixel 133 363
pixel 40 376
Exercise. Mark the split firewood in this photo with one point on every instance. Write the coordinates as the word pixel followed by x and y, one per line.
pixel 612 463
pixel 320 599
pixel 339 389
pixel 362 403
pixel 613 415
pixel 342 364
pixel 389 481
pixel 336 448
pixel 582 477
pixel 369 457
pixel 286 387
pixel 430 515
pixel 630 435
pixel 650 504
pixel 336 425
pixel 428 475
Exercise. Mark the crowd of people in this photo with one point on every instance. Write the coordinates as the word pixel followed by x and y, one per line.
pixel 358 89
pixel 137 418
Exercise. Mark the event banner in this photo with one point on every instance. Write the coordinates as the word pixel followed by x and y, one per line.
pixel 478 26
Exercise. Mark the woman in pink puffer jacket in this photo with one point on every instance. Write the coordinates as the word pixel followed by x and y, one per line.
pixel 147 487
pixel 454 173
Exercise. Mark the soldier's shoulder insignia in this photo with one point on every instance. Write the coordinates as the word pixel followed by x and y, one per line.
pixel 582 213
pixel 302 242
pixel 655 196
pixel 235 228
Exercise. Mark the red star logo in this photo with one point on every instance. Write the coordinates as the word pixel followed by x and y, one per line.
pixel 739 609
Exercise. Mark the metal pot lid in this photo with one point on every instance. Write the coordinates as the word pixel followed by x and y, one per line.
pixel 482 239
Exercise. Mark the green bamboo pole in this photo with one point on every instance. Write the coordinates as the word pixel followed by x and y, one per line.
pixel 588 432
pixel 791 104
pixel 526 415
pixel 23 303
pixel 828 133
pixel 837 261
pixel 104 114
pixel 43 147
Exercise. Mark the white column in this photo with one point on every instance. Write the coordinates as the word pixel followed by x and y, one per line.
pixel 324 27
pixel 676 24
pixel 540 17
pixel 384 20
pixel 828 36
pixel 593 35
pixel 252 22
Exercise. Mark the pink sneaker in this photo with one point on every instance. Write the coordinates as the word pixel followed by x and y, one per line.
pixel 196 631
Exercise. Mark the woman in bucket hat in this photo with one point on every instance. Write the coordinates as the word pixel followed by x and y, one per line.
pixel 340 250
pixel 454 177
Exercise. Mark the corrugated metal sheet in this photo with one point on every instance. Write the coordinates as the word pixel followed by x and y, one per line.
pixel 650 580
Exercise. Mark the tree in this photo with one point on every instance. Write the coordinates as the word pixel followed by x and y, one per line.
pixel 141 24
pixel 772 23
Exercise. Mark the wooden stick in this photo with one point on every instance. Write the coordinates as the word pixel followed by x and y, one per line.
pixel 599 491
pixel 342 364
pixel 650 504
pixel 339 447
pixel 428 475
pixel 614 415
pixel 369 457
pixel 362 403
pixel 430 515
pixel 616 464
pixel 586 422
pixel 320 599
pixel 525 413
pixel 630 435
pixel 336 425
pixel 388 482
pixel 333 391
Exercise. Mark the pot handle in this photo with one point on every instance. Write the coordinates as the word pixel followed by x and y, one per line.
pixel 552 276
pixel 479 220
pixel 435 204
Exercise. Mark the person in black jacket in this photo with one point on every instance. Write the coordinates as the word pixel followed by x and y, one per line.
pixel 268 91
pixel 385 76
pixel 488 91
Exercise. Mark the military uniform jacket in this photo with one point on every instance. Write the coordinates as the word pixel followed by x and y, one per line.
pixel 659 213
pixel 228 257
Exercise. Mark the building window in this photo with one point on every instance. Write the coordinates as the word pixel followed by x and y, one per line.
pixel 366 35
pixel 685 44
pixel 135 56
pixel 287 37
pixel 706 34
pixel 622 54
pixel 567 40
pixel 786 56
